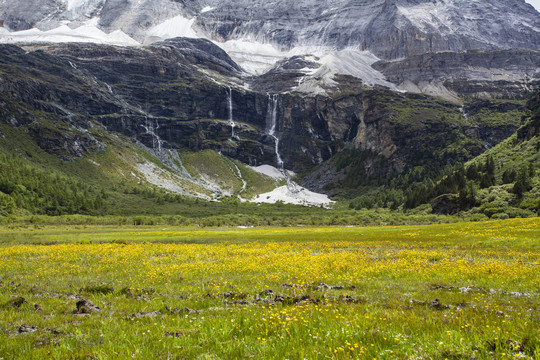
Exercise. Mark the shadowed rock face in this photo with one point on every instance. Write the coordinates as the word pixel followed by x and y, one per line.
pixel 16 17
pixel 62 90
pixel 200 52
pixel 389 28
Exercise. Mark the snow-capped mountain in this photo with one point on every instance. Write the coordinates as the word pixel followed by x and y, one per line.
pixel 389 28
pixel 344 36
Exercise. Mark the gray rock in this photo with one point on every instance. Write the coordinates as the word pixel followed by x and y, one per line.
pixel 390 28
pixel 501 73
pixel 24 329
pixel 86 307
pixel 200 52
pixel 148 314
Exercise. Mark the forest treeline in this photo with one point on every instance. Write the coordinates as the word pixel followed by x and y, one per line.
pixel 38 191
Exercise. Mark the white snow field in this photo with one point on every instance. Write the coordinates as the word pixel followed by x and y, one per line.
pixel 87 33
pixel 301 197
pixel 272 172
pixel 177 26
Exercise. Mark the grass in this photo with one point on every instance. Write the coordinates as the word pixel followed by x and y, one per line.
pixel 487 117
pixel 418 111
pixel 197 294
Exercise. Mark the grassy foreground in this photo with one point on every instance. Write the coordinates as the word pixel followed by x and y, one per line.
pixel 453 291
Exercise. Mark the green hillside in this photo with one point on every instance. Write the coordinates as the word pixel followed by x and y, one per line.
pixel 502 182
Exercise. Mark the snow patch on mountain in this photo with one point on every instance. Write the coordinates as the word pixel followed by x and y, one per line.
pixel 257 58
pixel 348 62
pixel 87 33
pixel 457 24
pixel 207 9
pixel 177 26
pixel 254 57
pixel 301 197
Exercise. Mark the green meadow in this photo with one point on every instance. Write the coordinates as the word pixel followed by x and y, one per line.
pixel 447 291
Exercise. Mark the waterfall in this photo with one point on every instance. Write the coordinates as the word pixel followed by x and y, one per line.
pixel 273 102
pixel 244 183
pixel 231 118
pixel 151 129
pixel 464 113
pixel 109 87
pixel 272 132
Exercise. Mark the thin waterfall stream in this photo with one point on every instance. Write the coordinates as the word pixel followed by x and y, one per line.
pixel 231 117
pixel 464 113
pixel 151 129
pixel 244 182
pixel 273 102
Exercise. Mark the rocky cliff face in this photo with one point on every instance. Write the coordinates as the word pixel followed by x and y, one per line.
pixel 473 73
pixel 318 90
pixel 178 94
pixel 389 28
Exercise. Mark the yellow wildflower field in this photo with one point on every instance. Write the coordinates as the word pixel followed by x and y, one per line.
pixel 465 290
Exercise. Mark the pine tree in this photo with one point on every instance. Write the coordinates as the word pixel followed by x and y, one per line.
pixel 523 183
pixel 467 196
pixel 490 166
pixel 472 172
pixel 509 176
pixel 532 170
